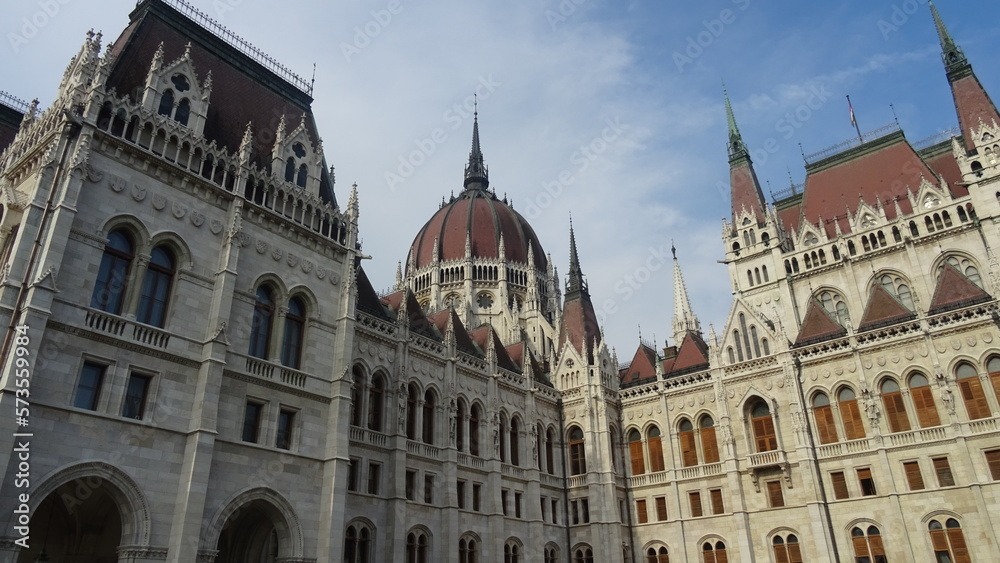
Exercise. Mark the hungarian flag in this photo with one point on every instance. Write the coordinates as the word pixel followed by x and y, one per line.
pixel 854 122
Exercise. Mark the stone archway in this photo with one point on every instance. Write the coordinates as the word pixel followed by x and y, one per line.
pixel 257 526
pixel 68 526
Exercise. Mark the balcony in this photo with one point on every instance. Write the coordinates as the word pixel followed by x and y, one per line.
pixel 649 479
pixel 146 335
pixel 512 471
pixel 366 436
pixel 471 461
pixel 273 371
pixel 423 450
pixel 705 470
pixel 761 460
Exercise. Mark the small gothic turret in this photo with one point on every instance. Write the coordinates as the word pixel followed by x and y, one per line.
pixel 685 320
pixel 579 323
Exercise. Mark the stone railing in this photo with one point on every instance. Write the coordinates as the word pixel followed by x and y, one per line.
pixel 99 321
pixel 367 436
pixel 423 450
pixel 471 461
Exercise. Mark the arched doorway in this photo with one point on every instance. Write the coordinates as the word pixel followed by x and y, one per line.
pixel 256 531
pixel 76 523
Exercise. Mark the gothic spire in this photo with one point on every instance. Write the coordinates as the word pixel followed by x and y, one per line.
pixel 745 189
pixel 575 282
pixel 685 320
pixel 477 176
pixel 954 58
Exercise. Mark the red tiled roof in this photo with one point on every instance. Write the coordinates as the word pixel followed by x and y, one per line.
pixel 417 320
pixel 693 353
pixel 481 337
pixel 368 300
pixel 973 104
pixel 789 218
pixel 954 290
pixel 643 365
pixel 242 89
pixel 882 309
pixel 944 163
pixel 580 327
pixel 818 325
pixel 881 172
pixel 479 215
pixel 745 190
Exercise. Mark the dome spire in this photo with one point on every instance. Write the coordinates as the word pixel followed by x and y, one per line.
pixel 575 282
pixel 477 176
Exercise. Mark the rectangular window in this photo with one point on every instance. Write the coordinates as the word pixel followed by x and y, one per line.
pixel 993 463
pixel 555 511
pixel 460 493
pixel 352 474
pixel 943 470
pixel 286 422
pixel 374 478
pixel 503 501
pixel 517 504
pixel 913 476
pixel 477 497
pixel 429 489
pixel 774 494
pixel 866 481
pixel 661 508
pixel 640 511
pixel 411 484
pixel 543 502
pixel 136 390
pixel 88 390
pixel 717 505
pixel 694 499
pixel 585 510
pixel 574 511
pixel 839 481
pixel 251 421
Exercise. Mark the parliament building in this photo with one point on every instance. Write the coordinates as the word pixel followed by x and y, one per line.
pixel 212 377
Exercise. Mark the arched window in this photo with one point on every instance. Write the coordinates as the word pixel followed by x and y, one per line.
pixel 635 452
pixel 825 426
pixel 551 554
pixel 416 547
pixel 156 288
pixel 291 343
pixel 689 447
pixel 868 546
pixel 515 443
pixel 834 304
pixel 467 550
pixel 290 169
pixel 303 175
pixel 850 414
pixel 428 427
pixel 923 401
pixel 655 445
pixel 550 439
pixel 948 542
pixel 504 429
pixel 376 402
pixel 540 446
pixel 895 409
pixel 786 549
pixel 966 268
pixel 709 445
pixel 583 554
pixel 898 288
pixel 260 327
pixel 763 427
pixel 972 392
pixel 166 103
pixel 460 425
pixel 993 367
pixel 714 552
pixel 412 397
pixel 511 552
pixel 660 555
pixel 358 544
pixel 577 453
pixel 474 418
pixel 183 112
pixel 112 276
pixel 357 388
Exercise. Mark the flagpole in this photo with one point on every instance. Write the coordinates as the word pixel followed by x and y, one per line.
pixel 854 121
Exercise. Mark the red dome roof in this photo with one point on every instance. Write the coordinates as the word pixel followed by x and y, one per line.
pixel 478 213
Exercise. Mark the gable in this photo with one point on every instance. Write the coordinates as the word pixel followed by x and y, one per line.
pixel 691 356
pixel 818 325
pixel 883 309
pixel 955 291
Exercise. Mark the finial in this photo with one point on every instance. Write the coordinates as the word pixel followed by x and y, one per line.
pixel 187 50
pixel 673 249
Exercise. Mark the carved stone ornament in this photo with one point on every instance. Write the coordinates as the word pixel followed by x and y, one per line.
pixel 160 201
pixel 262 246
pixel 215 225
pixel 178 209
pixel 117 184
pixel 138 192
pixel 197 219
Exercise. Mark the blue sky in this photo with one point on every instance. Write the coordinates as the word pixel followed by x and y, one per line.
pixel 638 82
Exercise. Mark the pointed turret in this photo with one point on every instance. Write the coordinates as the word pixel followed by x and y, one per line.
pixel 745 189
pixel 685 320
pixel 579 321
pixel 476 174
pixel 972 103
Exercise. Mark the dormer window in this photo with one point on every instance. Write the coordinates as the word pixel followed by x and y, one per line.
pixel 166 103
pixel 181 113
pixel 299 175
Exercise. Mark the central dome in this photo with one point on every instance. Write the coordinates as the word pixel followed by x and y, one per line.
pixel 476 216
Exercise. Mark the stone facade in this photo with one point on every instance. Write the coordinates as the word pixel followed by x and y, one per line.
pixel 212 377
